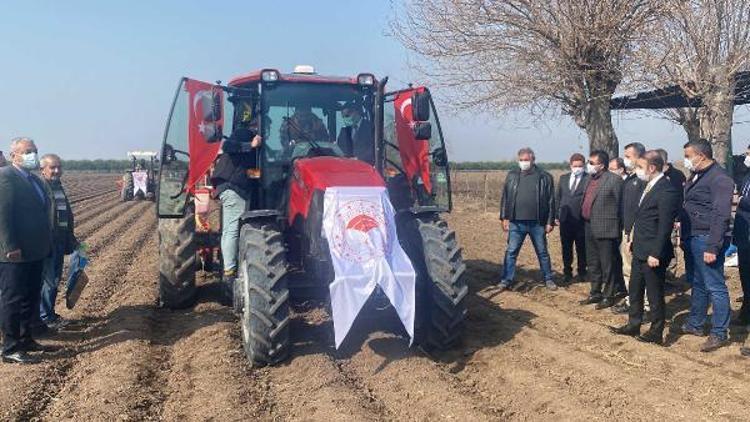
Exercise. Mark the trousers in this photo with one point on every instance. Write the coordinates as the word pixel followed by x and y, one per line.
pixel 232 207
pixel 20 290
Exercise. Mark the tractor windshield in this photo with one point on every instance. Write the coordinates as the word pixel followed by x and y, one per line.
pixel 310 119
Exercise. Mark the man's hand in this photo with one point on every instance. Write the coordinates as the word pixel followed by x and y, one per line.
pixel 506 225
pixel 257 141
pixel 557 222
pixel 653 262
pixel 14 256
pixel 709 258
pixel 548 228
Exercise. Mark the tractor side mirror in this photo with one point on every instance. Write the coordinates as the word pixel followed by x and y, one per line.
pixel 439 157
pixel 422 131
pixel 210 105
pixel 420 103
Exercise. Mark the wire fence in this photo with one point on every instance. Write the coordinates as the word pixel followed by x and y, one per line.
pixel 482 186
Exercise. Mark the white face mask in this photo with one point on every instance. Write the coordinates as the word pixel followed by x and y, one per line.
pixel 628 163
pixel 689 164
pixel 591 169
pixel 641 174
pixel 747 161
pixel 524 165
pixel 576 171
pixel 30 161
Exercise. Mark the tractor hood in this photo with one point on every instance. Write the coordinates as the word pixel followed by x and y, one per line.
pixel 318 173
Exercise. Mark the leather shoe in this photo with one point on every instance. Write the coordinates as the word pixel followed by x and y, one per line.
pixel 622 308
pixel 591 299
pixel 33 346
pixel 18 357
pixel 626 330
pixel 605 303
pixel 651 337
pixel 687 329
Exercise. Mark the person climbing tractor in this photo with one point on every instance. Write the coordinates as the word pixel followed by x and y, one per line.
pixel 233 186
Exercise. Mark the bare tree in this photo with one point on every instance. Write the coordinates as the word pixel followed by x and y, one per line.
pixel 700 45
pixel 542 55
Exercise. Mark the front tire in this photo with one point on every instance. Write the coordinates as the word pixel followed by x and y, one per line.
pixel 177 261
pixel 265 296
pixel 444 304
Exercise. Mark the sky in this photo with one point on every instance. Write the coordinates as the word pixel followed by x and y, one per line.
pixel 95 79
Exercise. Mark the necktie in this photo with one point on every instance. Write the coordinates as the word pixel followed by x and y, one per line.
pixel 645 191
pixel 573 183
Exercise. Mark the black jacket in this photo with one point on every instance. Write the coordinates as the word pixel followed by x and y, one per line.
pixel 654 219
pixel 707 206
pixel 569 203
pixel 544 192
pixel 230 173
pixel 741 231
pixel 632 188
pixel 362 147
pixel 677 179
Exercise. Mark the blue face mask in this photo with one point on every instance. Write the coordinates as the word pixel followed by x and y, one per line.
pixel 30 161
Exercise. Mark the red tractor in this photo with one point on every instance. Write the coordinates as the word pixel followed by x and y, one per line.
pixel 281 248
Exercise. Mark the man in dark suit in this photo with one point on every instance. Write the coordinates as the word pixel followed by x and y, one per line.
pixel 569 196
pixel 741 234
pixel 651 248
pixel 602 224
pixel 25 241
pixel 356 138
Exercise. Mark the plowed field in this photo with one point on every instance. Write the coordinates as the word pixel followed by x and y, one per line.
pixel 528 354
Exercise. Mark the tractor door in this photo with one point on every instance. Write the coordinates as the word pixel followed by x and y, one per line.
pixel 415 148
pixel 191 143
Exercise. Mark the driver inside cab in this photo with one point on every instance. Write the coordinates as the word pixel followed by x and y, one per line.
pixel 302 126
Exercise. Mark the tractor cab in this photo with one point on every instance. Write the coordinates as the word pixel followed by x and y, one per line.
pixel 319 132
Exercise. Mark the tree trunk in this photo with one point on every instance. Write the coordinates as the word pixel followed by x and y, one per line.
pixel 716 117
pixel 598 126
pixel 689 121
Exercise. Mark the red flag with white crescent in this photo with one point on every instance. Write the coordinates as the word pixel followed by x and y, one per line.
pixel 415 155
pixel 202 153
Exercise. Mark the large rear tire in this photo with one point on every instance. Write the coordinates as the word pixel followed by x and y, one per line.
pixel 177 261
pixel 444 304
pixel 265 296
pixel 126 194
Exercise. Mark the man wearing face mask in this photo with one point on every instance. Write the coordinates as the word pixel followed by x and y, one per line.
pixel 632 189
pixel 600 210
pixel 568 199
pixel 25 241
pixel 64 241
pixel 527 208
pixel 741 235
pixel 652 248
pixel 704 225
pixel 356 136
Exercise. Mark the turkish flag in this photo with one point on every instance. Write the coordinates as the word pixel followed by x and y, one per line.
pixel 415 155
pixel 202 153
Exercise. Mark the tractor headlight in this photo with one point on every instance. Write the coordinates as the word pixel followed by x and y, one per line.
pixel 366 79
pixel 269 75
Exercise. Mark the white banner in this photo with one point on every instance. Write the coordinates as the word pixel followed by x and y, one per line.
pixel 361 232
pixel 140 182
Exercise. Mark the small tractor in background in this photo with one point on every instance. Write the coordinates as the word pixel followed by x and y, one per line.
pixel 281 248
pixel 139 182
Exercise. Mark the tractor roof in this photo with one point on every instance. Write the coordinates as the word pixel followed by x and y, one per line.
pixel 255 76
